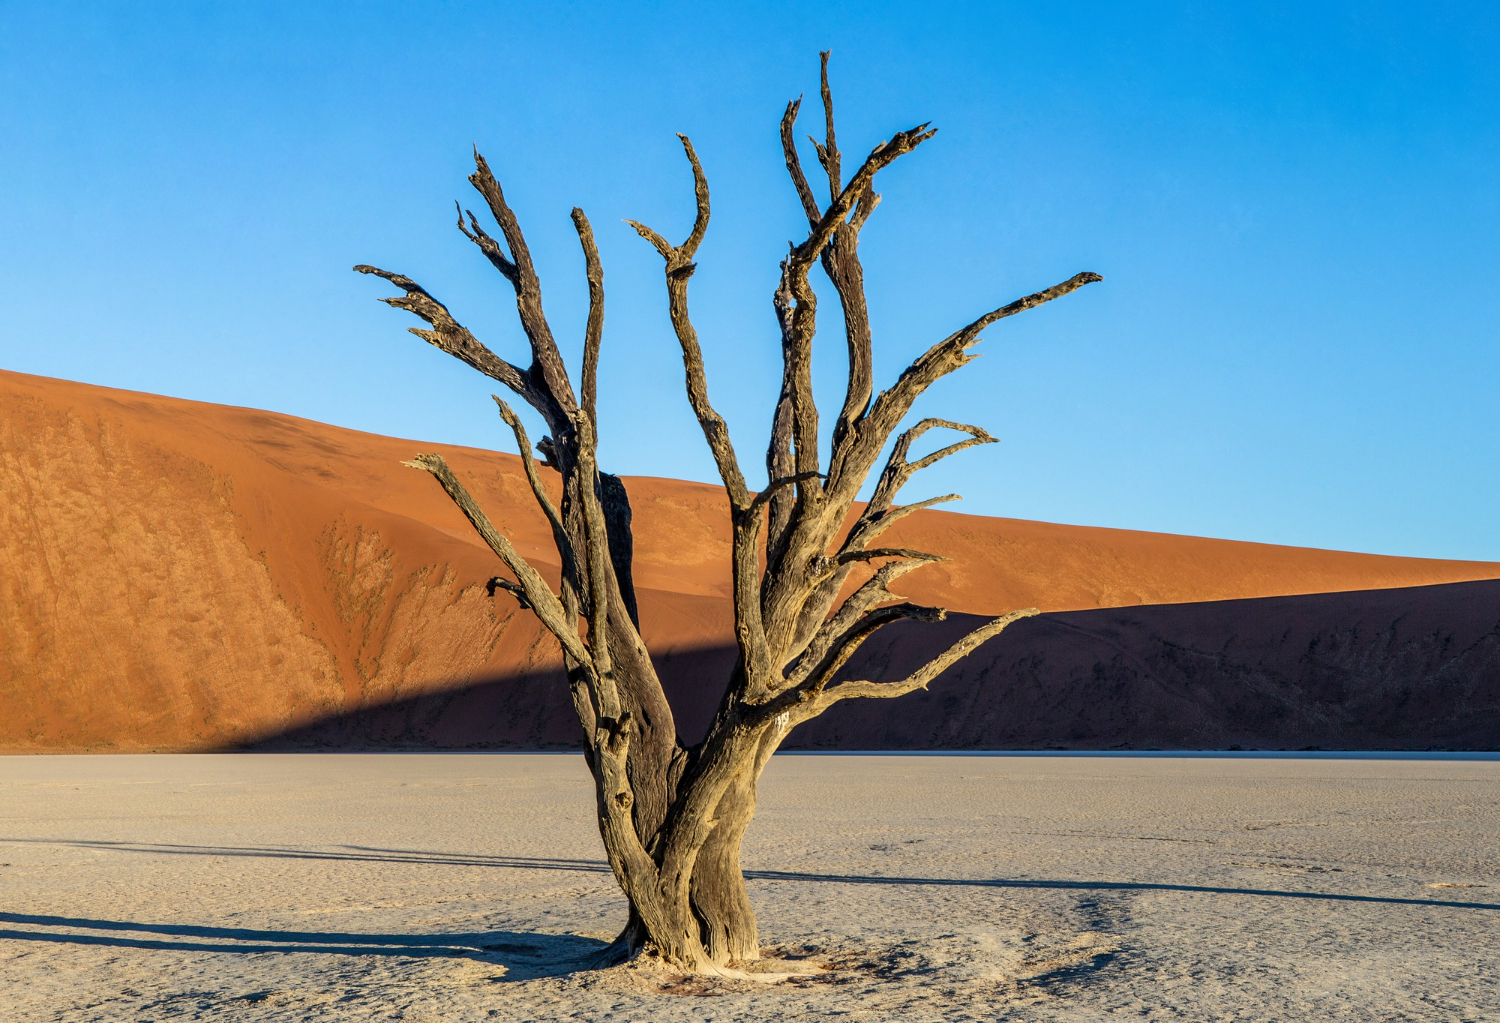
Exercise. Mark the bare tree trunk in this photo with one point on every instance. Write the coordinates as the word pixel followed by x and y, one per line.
pixel 720 901
pixel 719 919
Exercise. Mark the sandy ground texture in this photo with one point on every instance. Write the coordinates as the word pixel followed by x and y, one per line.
pixel 465 887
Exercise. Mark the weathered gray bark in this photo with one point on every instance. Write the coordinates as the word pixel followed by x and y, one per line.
pixel 672 816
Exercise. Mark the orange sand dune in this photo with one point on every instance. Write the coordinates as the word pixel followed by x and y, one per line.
pixel 181 575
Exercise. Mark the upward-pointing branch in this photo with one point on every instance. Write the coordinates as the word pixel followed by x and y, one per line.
pixel 594 330
pixel 794 163
pixel 832 236
pixel 852 461
pixel 828 152
pixel 898 470
pixel 679 268
pixel 842 265
pixel 547 366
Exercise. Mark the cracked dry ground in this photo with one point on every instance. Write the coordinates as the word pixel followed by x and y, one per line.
pixel 414 887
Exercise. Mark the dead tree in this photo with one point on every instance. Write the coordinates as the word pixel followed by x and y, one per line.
pixel 810 583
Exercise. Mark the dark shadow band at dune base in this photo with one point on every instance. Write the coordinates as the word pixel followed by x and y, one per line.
pixel 1398 669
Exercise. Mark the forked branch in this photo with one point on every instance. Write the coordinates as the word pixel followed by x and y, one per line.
pixel 852 461
pixel 833 237
pixel 851 639
pixel 539 492
pixel 875 519
pixel 547 366
pixel 920 678
pixel 450 336
pixel 829 633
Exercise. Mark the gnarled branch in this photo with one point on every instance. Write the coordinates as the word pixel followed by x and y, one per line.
pixel 593 332
pixel 920 678
pixel 547 367
pixel 852 462
pixel 822 636
pixel 539 493
pixel 851 639
pixel 898 470
pixel 487 245
pixel 516 590
pixel 544 603
pixel 450 336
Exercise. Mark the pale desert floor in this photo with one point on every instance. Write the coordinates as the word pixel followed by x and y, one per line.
pixel 456 888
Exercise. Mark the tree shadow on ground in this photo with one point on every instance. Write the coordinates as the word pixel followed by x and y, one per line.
pixel 375 854
pixel 340 853
pixel 524 954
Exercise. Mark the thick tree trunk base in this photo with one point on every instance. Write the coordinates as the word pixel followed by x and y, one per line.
pixel 632 948
pixel 708 926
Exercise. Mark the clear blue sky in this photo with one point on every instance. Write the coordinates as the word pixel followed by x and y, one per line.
pixel 1294 206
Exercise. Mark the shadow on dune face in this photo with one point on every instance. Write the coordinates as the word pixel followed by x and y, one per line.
pixel 1411 668
pixel 521 711
pixel 1415 668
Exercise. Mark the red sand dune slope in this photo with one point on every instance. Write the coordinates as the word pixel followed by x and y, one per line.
pixel 176 575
